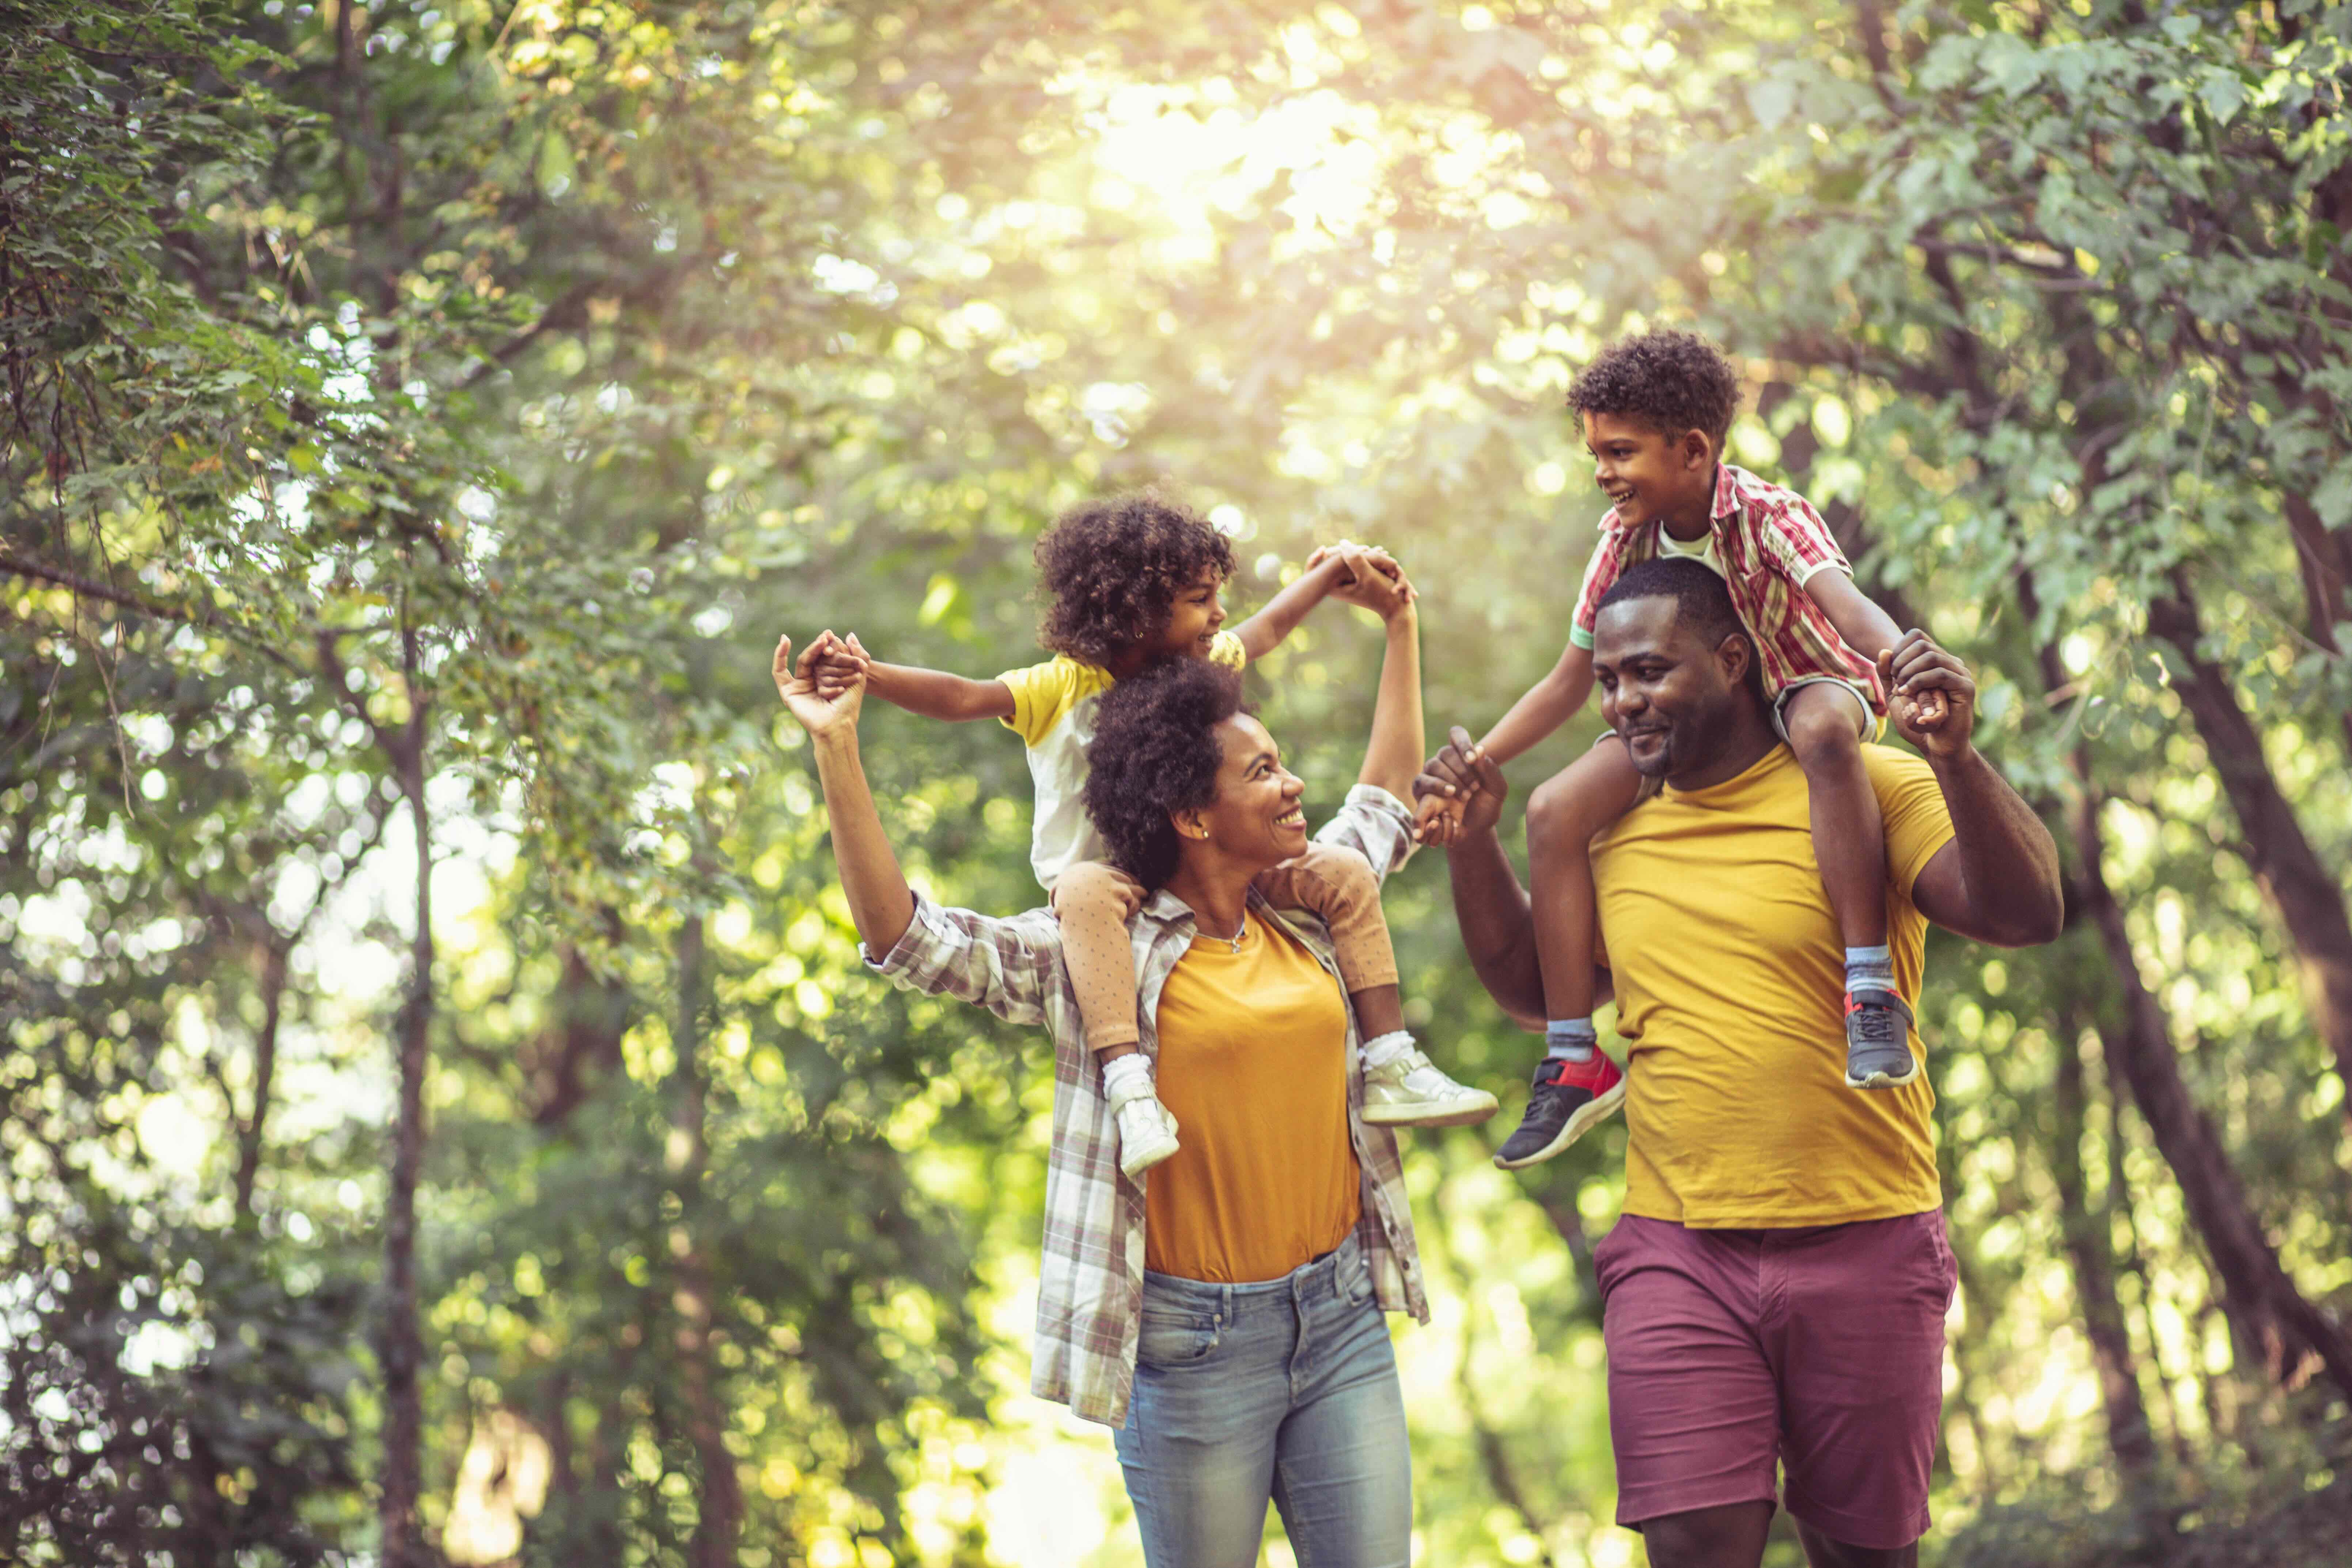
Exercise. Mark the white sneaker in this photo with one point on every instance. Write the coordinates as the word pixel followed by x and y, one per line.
pixel 1146 1130
pixel 1408 1090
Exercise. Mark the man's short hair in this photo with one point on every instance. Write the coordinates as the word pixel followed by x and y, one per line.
pixel 1670 380
pixel 1701 601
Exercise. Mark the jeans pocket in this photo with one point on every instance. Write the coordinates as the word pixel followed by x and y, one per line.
pixel 1175 1339
pixel 1356 1278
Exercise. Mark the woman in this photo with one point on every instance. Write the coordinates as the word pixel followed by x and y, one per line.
pixel 1225 1315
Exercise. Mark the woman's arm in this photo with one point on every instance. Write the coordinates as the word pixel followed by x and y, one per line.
pixel 1549 703
pixel 1012 967
pixel 1393 754
pixel 880 902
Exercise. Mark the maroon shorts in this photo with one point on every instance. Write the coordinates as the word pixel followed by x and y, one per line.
pixel 1822 1349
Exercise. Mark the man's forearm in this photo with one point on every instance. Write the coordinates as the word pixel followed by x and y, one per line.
pixel 1394 752
pixel 880 902
pixel 1497 925
pixel 2008 860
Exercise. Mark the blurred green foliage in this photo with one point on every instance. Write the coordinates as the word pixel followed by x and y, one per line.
pixel 422 417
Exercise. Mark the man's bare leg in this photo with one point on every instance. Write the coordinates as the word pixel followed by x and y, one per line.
pixel 1823 1553
pixel 1731 1536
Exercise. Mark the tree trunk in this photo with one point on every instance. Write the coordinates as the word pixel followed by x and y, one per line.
pixel 2308 898
pixel 265 1069
pixel 2274 1325
pixel 720 1514
pixel 2120 1211
pixel 2089 1252
pixel 402 1347
pixel 2325 561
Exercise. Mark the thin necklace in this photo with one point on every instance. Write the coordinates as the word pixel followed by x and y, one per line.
pixel 1234 942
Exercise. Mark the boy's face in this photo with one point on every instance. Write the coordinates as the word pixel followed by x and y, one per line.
pixel 1193 619
pixel 1653 477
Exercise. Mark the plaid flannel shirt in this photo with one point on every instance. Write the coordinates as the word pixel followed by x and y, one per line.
pixel 1770 539
pixel 1090 1286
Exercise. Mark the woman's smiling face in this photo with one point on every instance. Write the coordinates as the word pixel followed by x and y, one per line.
pixel 1257 817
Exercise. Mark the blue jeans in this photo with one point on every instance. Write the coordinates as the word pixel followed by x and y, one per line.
pixel 1284 1390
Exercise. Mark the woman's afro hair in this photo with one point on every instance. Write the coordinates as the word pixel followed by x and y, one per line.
pixel 1155 752
pixel 1111 570
pixel 1671 381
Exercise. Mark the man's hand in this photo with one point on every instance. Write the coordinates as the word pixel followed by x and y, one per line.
pixel 1931 696
pixel 826 686
pixel 1466 778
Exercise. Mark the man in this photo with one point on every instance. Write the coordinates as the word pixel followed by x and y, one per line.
pixel 1777 1287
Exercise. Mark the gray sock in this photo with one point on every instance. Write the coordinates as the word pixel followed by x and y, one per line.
pixel 1869 967
pixel 1569 1039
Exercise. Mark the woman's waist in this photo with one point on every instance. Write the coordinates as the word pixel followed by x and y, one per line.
pixel 1327 1277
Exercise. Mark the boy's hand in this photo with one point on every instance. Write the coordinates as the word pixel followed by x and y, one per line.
pixel 822 707
pixel 1931 696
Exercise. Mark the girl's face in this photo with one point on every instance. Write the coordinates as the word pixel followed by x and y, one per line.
pixel 1193 619
pixel 1257 818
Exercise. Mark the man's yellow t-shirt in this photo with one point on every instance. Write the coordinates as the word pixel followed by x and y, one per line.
pixel 1731 984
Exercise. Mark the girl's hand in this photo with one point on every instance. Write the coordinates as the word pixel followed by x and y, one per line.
pixel 1436 821
pixel 1372 581
pixel 1469 780
pixel 1348 553
pixel 824 704
pixel 839 665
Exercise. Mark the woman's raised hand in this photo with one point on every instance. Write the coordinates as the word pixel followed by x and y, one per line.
pixel 825 687
pixel 1372 579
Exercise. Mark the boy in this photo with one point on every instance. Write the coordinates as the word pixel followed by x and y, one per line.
pixel 1128 581
pixel 1655 411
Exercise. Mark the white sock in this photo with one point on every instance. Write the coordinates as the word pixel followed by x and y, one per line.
pixel 1131 1073
pixel 1386 1048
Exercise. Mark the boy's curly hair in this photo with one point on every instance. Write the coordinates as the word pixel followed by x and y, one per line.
pixel 1155 752
pixel 1671 381
pixel 1111 571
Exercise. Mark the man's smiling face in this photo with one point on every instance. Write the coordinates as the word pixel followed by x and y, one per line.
pixel 1665 692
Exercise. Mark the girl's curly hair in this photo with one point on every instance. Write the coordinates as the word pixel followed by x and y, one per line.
pixel 1155 751
pixel 1111 571
pixel 1671 381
